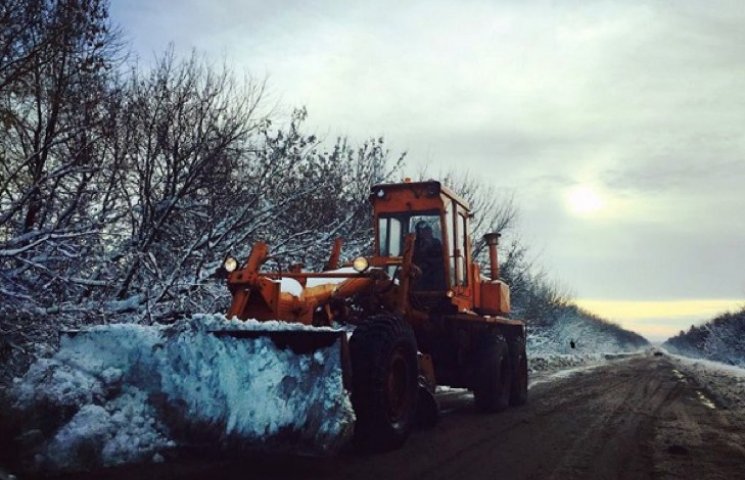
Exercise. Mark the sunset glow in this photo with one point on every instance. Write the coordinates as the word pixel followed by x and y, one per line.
pixel 660 319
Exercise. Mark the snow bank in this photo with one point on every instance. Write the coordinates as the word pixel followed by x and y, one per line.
pixel 125 393
pixel 562 373
pixel 725 382
pixel 588 337
pixel 716 348
pixel 550 348
pixel 547 362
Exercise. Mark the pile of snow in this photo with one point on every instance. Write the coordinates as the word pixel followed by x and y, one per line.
pixel 125 393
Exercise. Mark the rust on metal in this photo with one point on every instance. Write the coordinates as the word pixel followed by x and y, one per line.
pixel 333 262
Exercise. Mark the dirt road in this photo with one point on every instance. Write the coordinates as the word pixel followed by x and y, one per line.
pixel 637 418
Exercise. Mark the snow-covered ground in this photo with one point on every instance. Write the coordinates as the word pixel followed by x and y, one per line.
pixel 551 375
pixel 725 382
pixel 126 393
pixel 588 338
pixel 550 349
pixel 715 349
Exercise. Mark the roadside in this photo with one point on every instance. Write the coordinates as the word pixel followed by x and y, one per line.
pixel 637 417
pixel 546 368
pixel 705 436
pixel 726 383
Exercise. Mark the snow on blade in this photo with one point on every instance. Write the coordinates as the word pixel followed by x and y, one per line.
pixel 292 286
pixel 124 393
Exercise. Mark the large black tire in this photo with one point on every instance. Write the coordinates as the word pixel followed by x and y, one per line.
pixel 384 382
pixel 492 373
pixel 519 360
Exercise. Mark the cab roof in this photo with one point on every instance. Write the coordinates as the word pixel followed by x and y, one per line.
pixel 428 188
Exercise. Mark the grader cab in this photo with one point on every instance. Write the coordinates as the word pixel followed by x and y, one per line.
pixel 421 311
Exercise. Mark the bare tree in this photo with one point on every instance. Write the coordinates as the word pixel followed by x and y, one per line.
pixel 335 183
pixel 203 175
pixel 179 137
pixel 55 62
pixel 53 82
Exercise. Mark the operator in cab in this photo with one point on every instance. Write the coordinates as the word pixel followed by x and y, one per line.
pixel 428 257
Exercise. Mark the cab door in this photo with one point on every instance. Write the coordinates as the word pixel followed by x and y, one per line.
pixel 462 297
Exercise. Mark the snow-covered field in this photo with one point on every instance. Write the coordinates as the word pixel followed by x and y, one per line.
pixel 126 393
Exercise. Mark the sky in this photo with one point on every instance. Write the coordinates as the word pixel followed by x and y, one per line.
pixel 619 127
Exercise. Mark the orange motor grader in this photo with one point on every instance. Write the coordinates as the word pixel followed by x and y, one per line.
pixel 421 312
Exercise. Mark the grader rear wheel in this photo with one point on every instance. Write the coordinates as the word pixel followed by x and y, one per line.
pixel 519 360
pixel 384 382
pixel 493 374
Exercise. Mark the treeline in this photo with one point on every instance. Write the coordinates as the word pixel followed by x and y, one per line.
pixel 721 339
pixel 122 189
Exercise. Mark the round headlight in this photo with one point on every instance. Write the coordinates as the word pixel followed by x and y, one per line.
pixel 230 264
pixel 360 264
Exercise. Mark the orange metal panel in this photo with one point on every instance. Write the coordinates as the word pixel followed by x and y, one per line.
pixel 406 197
pixel 495 297
pixel 476 282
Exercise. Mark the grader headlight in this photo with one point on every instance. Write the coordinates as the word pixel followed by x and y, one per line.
pixel 360 264
pixel 230 264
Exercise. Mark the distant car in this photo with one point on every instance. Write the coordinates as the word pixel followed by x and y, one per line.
pixel 658 353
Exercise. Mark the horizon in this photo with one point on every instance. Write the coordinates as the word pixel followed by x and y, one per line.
pixel 661 320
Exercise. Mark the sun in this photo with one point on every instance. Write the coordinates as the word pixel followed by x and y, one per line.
pixel 583 200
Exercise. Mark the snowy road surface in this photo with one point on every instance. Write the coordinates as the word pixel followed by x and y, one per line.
pixel 636 418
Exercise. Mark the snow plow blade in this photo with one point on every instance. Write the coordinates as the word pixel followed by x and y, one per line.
pixel 208 382
pixel 302 342
pixel 299 341
pixel 300 374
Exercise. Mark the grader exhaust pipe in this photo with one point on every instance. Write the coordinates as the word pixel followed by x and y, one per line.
pixel 492 240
